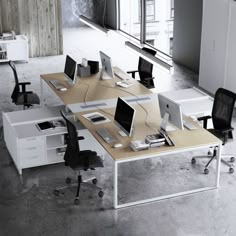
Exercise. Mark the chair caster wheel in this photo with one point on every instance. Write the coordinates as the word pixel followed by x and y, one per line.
pixel 232 159
pixel 56 192
pixel 94 181
pixel 206 171
pixel 231 170
pixel 76 201
pixel 193 161
pixel 68 180
pixel 100 193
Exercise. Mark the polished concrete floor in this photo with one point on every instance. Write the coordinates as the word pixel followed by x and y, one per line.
pixel 28 207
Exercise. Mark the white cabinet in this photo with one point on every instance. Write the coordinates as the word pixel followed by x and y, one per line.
pixel 218 46
pixel 30 147
pixel 15 50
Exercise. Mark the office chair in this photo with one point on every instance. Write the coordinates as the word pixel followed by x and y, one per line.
pixel 19 95
pixel 79 160
pixel 222 113
pixel 145 70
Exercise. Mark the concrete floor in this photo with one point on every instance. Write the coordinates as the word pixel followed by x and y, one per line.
pixel 28 207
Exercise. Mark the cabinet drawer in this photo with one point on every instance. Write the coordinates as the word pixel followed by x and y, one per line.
pixel 31 156
pixel 30 142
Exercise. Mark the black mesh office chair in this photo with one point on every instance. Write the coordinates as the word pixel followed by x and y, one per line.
pixel 222 113
pixel 145 70
pixel 79 160
pixel 19 95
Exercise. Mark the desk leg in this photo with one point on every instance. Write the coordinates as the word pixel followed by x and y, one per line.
pixel 218 162
pixel 115 185
pixel 42 102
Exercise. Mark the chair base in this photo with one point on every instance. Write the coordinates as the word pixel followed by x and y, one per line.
pixel 59 190
pixel 212 157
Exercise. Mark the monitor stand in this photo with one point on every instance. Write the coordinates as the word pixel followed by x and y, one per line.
pixel 104 75
pixel 122 133
pixel 164 122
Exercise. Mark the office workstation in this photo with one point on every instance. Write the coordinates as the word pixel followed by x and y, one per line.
pixel 90 95
pixel 32 164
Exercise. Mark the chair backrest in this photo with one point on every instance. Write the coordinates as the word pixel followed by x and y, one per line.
pixel 223 107
pixel 72 151
pixel 144 66
pixel 16 90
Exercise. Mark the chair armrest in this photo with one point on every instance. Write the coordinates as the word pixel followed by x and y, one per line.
pixel 204 119
pixel 132 72
pixel 80 138
pixel 23 86
pixel 26 83
pixel 25 92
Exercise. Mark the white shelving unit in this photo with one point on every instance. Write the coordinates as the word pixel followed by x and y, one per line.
pixel 15 49
pixel 30 147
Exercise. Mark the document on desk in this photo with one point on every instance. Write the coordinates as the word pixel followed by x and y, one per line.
pixel 96 118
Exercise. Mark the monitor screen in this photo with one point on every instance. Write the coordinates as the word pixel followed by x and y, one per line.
pixel 70 68
pixel 170 111
pixel 124 116
pixel 106 65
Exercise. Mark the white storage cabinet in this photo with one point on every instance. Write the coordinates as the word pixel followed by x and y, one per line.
pixel 30 147
pixel 15 49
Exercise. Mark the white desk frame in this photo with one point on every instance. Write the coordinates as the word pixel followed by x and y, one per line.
pixel 76 108
pixel 148 200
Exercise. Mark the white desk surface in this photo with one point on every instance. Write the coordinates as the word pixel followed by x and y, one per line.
pixel 193 101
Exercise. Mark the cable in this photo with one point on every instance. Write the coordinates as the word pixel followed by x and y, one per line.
pixel 136 102
pixel 85 100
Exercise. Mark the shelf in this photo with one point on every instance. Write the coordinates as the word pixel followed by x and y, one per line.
pixel 53 157
pixel 55 141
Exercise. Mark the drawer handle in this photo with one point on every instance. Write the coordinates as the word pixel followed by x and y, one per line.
pixel 32 148
pixel 32 157
pixel 31 139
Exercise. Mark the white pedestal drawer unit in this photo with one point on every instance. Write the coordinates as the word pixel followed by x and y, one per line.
pixel 30 147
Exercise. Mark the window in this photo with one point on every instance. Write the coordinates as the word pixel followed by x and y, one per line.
pixel 150 10
pixel 172 9
pixel 130 17
pixel 153 26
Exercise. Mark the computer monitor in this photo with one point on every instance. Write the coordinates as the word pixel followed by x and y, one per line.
pixel 107 71
pixel 124 117
pixel 170 112
pixel 70 69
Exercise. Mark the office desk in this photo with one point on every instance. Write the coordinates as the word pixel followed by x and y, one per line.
pixel 90 89
pixel 185 140
pixel 101 94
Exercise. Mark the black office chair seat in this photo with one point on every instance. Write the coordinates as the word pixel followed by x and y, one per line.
pixel 87 160
pixel 27 99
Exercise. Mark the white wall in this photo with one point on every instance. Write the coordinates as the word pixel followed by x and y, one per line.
pixel 213 44
pixel 187 33
pixel 230 66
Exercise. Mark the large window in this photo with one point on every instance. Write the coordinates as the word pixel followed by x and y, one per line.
pixel 150 21
pixel 130 17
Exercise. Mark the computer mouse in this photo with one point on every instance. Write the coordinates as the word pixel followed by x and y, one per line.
pixel 117 145
pixel 63 89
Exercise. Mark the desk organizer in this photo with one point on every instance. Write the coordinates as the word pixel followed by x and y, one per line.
pixel 83 71
pixel 94 66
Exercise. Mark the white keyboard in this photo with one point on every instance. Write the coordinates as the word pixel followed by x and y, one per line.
pixel 105 135
pixel 56 84
pixel 122 75
pixel 189 125
pixel 125 83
